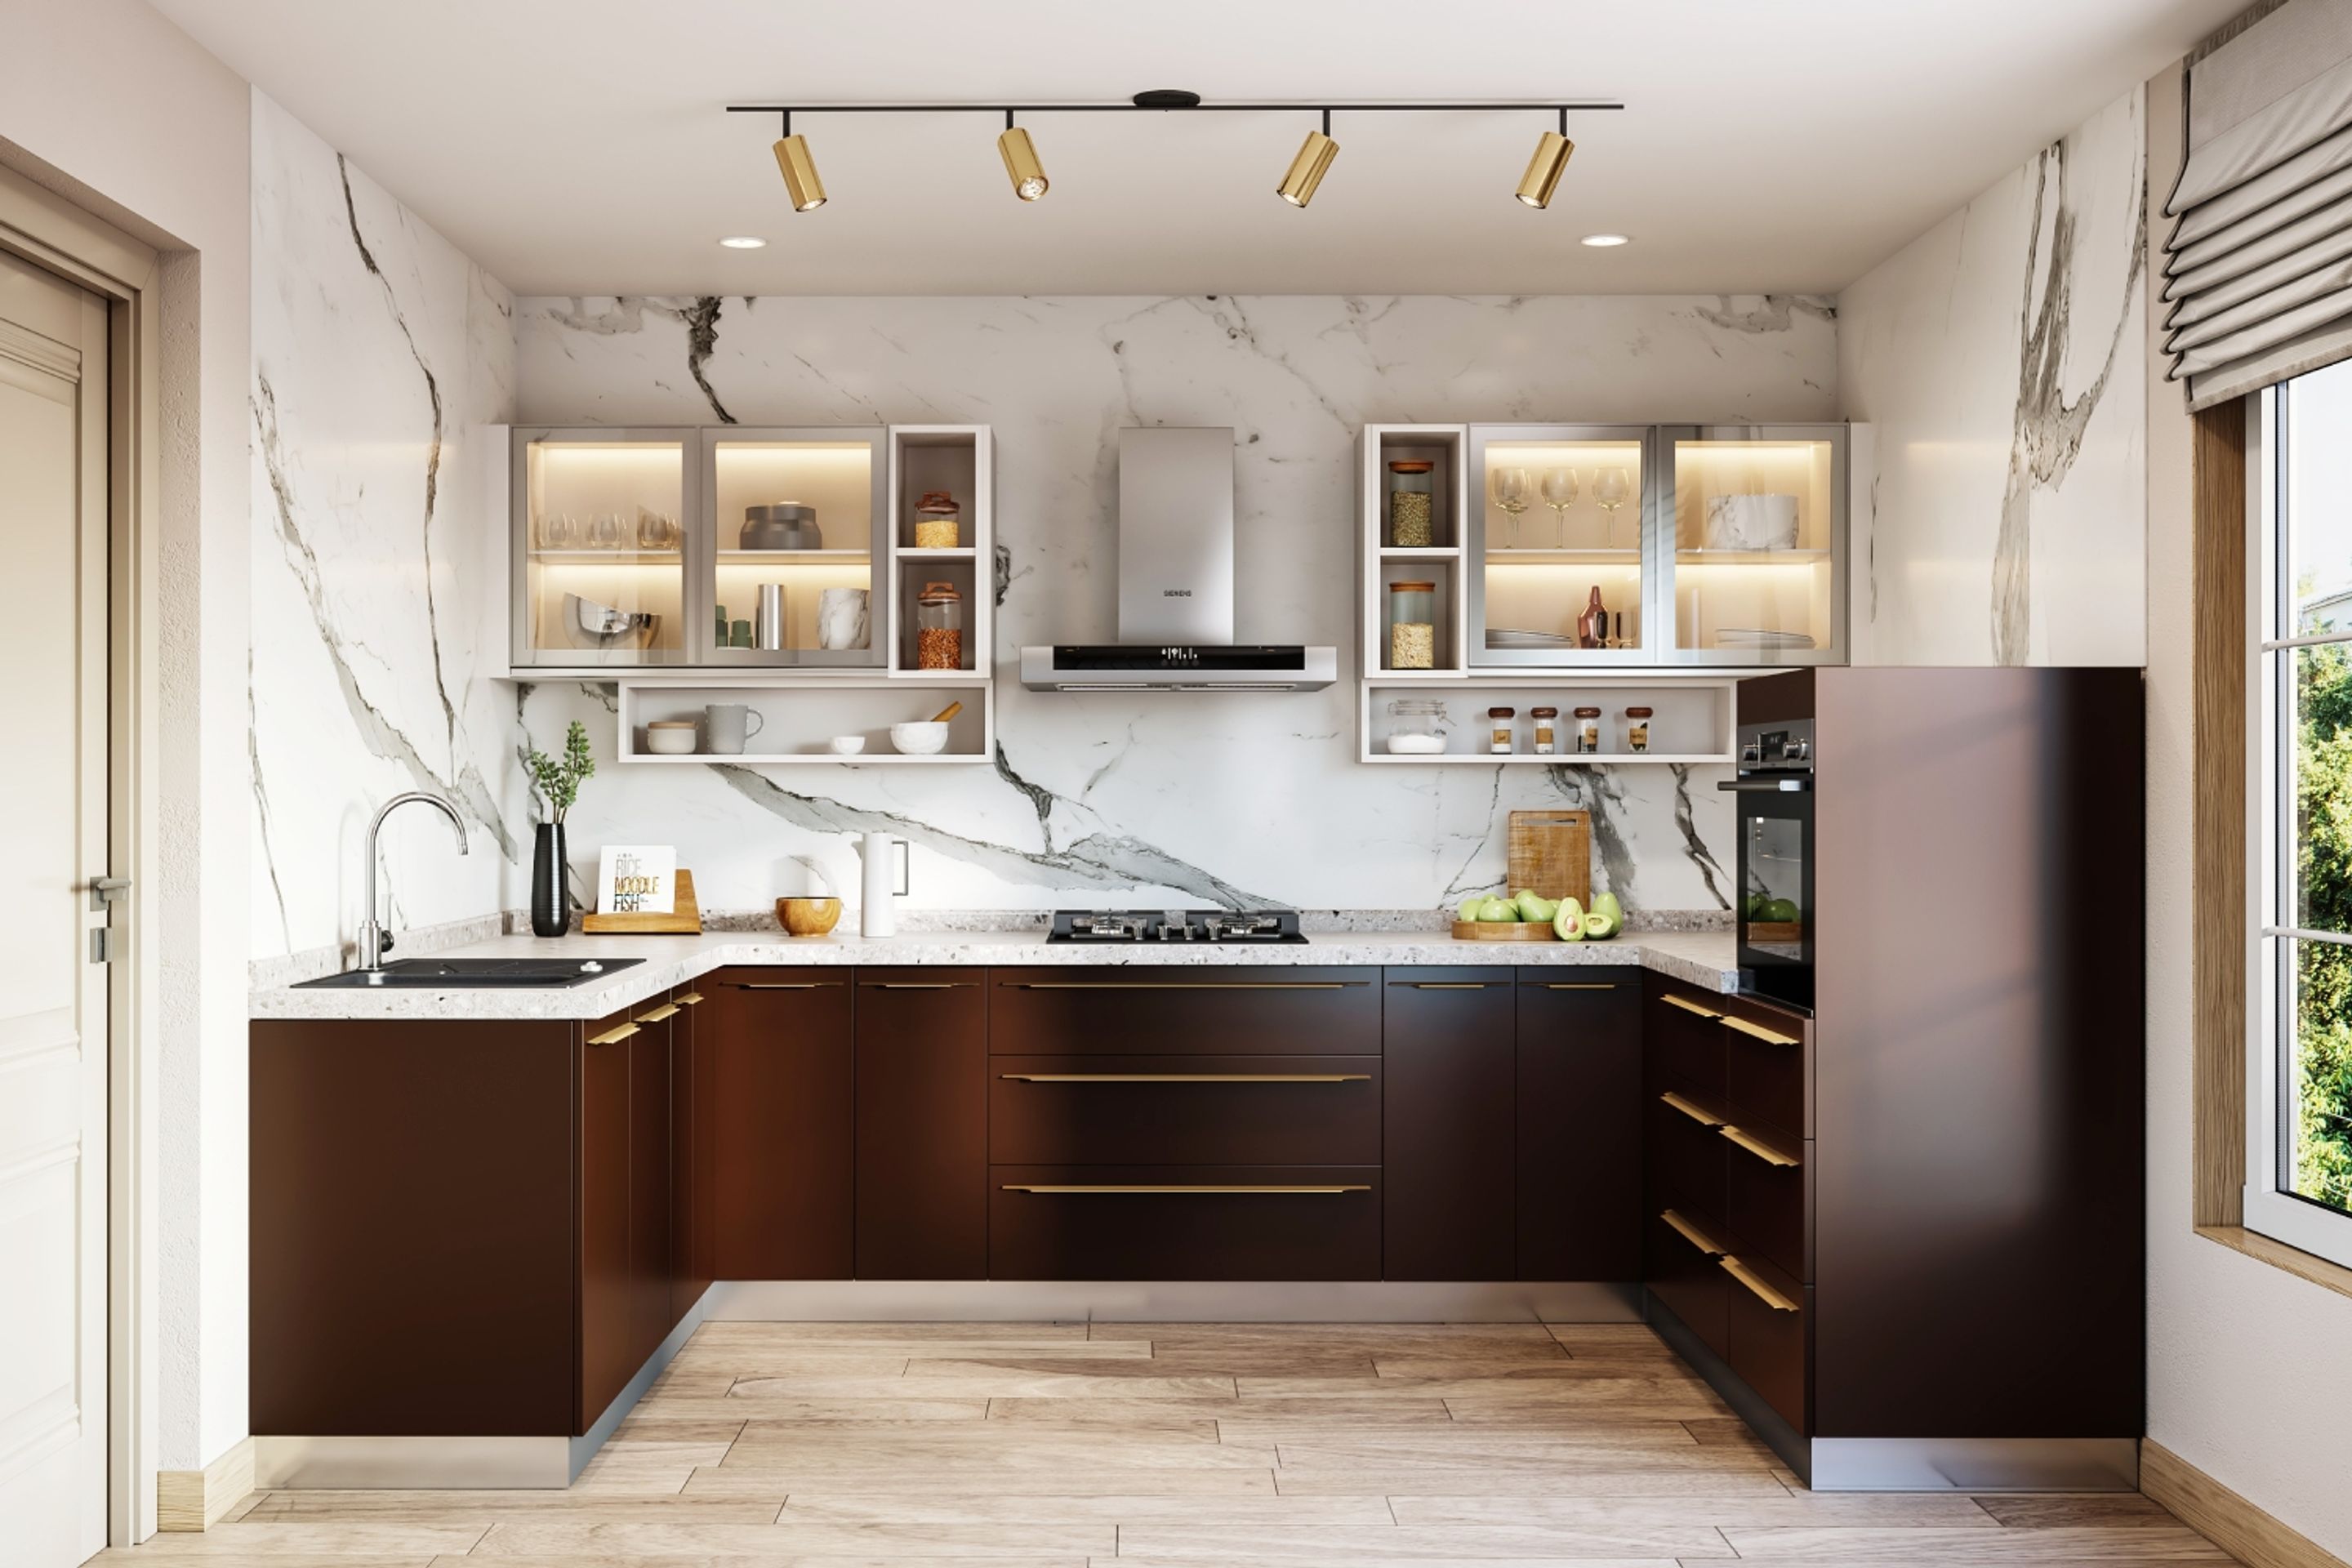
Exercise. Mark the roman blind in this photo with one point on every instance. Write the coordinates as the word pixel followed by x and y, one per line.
pixel 2258 270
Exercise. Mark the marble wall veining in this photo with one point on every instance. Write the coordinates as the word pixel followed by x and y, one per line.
pixel 2000 360
pixel 1124 799
pixel 380 355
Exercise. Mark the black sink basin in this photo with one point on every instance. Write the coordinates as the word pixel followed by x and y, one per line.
pixel 457 974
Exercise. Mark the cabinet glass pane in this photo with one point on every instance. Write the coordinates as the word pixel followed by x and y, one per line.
pixel 604 560
pixel 1754 528
pixel 1562 529
pixel 831 543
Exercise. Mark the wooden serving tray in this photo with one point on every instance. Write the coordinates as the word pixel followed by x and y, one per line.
pixel 684 919
pixel 1503 930
pixel 1783 932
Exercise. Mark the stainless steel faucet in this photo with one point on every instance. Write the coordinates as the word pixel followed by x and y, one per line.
pixel 372 941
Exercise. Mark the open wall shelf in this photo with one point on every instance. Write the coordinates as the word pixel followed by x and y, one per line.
pixel 1690 721
pixel 796 715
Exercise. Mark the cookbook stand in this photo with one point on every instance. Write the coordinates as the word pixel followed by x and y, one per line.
pixel 684 920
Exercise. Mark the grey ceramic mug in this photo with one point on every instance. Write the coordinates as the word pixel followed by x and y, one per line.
pixel 728 727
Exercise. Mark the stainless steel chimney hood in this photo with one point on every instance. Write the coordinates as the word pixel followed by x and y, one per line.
pixel 1176 585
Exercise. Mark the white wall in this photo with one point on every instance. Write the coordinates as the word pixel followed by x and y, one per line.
pixel 118 108
pixel 2250 1368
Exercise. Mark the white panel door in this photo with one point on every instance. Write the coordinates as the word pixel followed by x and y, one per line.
pixel 52 843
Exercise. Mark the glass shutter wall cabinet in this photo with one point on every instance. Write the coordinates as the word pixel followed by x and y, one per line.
pixel 604 548
pixel 1562 542
pixel 796 524
pixel 1753 526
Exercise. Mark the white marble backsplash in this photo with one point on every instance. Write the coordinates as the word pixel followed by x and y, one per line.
pixel 1157 801
pixel 380 353
pixel 2000 358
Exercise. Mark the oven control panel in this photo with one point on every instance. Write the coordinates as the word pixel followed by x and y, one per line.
pixel 1777 748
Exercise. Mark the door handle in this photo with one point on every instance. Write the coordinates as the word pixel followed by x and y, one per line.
pixel 1755 1285
pixel 1757 1147
pixel 691 999
pixel 914 985
pixel 666 1010
pixel 1184 985
pixel 1315 1189
pixel 1576 985
pixel 1687 1108
pixel 1186 1077
pixel 1767 786
pixel 784 985
pixel 105 892
pixel 1691 1233
pixel 1688 1006
pixel 1444 984
pixel 1758 1031
pixel 612 1037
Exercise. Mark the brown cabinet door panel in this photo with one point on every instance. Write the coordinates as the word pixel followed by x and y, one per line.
pixel 1767 1070
pixel 780 1121
pixel 690 1225
pixel 922 1124
pixel 1156 1222
pixel 1277 1010
pixel 607 1301
pixel 1578 1053
pixel 1765 1344
pixel 1185 1109
pixel 649 1179
pixel 1685 1038
pixel 1683 1275
pixel 1447 1152
pixel 1688 1159
pixel 1767 1205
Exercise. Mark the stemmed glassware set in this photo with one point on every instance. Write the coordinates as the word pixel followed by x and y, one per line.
pixel 609 530
pixel 1511 489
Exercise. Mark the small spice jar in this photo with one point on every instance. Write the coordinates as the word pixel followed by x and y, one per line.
pixel 938 627
pixel 1499 738
pixel 1412 501
pixel 1637 729
pixel 1413 625
pixel 938 521
pixel 1547 735
pixel 1588 730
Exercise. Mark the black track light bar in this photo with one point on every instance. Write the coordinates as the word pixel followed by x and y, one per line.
pixel 1579 105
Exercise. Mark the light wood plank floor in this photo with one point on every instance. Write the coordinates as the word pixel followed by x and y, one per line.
pixel 1079 1445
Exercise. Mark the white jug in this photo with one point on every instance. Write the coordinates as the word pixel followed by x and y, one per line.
pixel 878 915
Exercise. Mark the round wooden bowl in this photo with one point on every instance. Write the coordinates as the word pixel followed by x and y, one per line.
pixel 808 917
pixel 1504 930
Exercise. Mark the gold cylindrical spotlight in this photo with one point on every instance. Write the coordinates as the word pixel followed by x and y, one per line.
pixel 1028 175
pixel 1306 170
pixel 799 170
pixel 1545 168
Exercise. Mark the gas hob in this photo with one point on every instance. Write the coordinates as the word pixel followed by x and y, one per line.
pixel 1241 927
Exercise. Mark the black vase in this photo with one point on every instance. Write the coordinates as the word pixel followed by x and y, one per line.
pixel 550 910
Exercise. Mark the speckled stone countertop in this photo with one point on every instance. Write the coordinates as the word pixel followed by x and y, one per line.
pixel 1704 959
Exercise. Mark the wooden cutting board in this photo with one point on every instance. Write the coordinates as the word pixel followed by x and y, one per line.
pixel 685 917
pixel 1551 851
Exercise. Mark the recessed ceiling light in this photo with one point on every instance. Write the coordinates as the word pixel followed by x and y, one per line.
pixel 1605 241
pixel 742 241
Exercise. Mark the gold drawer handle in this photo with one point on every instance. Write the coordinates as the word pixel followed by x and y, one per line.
pixel 1762 1291
pixel 1693 1112
pixel 1691 1233
pixel 612 1037
pixel 1758 1031
pixel 1757 1147
pixel 1312 1189
pixel 1184 985
pixel 1444 984
pixel 1689 1007
pixel 1186 1077
pixel 691 999
pixel 914 985
pixel 784 985
pixel 1580 984
pixel 666 1010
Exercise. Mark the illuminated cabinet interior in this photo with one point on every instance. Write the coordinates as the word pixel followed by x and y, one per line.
pixel 1758 522
pixel 602 526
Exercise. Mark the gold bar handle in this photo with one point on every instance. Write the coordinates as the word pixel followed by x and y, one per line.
pixel 1688 1006
pixel 666 1010
pixel 784 985
pixel 1446 984
pixel 1757 1147
pixel 1687 1108
pixel 1757 1287
pixel 1758 1031
pixel 612 1037
pixel 691 999
pixel 1691 1233
pixel 1304 1189
pixel 1184 985
pixel 914 985
pixel 1580 984
pixel 1186 1077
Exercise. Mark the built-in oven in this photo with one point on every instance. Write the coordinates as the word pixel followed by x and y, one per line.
pixel 1772 802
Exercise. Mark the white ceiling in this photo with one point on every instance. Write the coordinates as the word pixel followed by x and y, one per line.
pixel 577 146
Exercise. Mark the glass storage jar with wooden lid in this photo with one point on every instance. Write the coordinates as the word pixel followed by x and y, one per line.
pixel 939 521
pixel 938 627
pixel 1588 730
pixel 1547 733
pixel 1637 729
pixel 1499 728
pixel 1413 625
pixel 1412 523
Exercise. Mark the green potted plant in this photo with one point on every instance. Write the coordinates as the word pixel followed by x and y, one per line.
pixel 557 783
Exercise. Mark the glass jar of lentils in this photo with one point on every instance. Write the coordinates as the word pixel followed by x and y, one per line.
pixel 938 521
pixel 938 627
pixel 1412 523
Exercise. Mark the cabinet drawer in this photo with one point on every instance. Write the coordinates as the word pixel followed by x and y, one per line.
pixel 1185 1109
pixel 1686 1041
pixel 1687 1158
pixel 1184 1221
pixel 1679 1267
pixel 1765 1331
pixel 1765 1068
pixel 1765 1200
pixel 1268 1010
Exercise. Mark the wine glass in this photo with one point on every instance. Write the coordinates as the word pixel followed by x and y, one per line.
pixel 1510 488
pixel 1611 488
pixel 1559 492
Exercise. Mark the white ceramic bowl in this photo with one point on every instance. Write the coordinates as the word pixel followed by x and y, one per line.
pixel 1751 523
pixel 924 738
pixel 847 745
pixel 670 740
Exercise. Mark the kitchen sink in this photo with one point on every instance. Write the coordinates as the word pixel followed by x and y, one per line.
pixel 460 973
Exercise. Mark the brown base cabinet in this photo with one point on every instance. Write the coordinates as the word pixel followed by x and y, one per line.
pixel 1576 1102
pixel 1447 1125
pixel 781 1122
pixel 922 1124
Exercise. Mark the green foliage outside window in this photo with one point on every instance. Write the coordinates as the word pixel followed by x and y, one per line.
pixel 2323 708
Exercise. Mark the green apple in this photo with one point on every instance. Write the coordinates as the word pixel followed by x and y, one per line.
pixel 1567 921
pixel 1533 908
pixel 1495 910
pixel 1599 926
